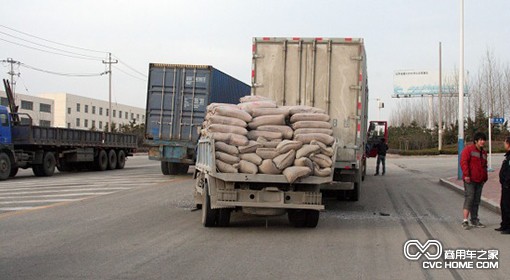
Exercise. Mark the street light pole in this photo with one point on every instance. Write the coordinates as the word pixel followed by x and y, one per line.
pixel 461 91
pixel 440 122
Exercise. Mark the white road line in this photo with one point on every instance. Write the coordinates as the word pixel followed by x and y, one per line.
pixel 56 195
pixel 16 208
pixel 59 191
pixel 39 201
pixel 43 188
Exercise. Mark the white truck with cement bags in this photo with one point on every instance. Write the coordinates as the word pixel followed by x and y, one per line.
pixel 263 159
pixel 328 73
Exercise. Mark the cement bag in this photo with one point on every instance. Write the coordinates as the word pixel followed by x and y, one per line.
pixel 217 136
pixel 238 140
pixel 286 131
pixel 311 124
pixel 283 161
pixel 252 98
pixel 295 172
pixel 226 158
pixel 227 129
pixel 267 153
pixel 233 112
pixel 307 138
pixel 213 106
pixel 305 109
pixel 247 167
pixel 257 112
pixel 225 167
pixel 324 172
pixel 309 117
pixel 304 161
pixel 224 147
pixel 321 160
pixel 249 106
pixel 268 167
pixel 267 120
pixel 254 134
pixel 217 119
pixel 268 143
pixel 307 150
pixel 251 157
pixel 313 130
pixel 287 145
pixel 251 147
pixel 328 151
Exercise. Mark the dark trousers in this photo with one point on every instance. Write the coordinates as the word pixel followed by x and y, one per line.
pixel 505 208
pixel 472 198
pixel 381 159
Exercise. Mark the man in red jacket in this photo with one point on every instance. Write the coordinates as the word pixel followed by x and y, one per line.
pixel 473 162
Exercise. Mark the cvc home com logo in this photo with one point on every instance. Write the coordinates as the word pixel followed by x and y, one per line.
pixel 433 256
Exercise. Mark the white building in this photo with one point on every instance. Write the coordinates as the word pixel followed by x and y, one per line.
pixel 73 111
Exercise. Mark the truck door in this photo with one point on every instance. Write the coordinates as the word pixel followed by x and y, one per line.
pixel 5 129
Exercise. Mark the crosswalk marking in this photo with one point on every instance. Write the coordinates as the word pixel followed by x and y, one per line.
pixel 38 201
pixel 58 195
pixel 52 191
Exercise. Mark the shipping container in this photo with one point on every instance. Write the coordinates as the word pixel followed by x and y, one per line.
pixel 177 98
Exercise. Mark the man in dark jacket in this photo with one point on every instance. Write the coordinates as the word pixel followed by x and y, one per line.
pixel 473 162
pixel 504 179
pixel 382 148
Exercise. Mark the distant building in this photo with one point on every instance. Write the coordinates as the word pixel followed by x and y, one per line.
pixel 73 111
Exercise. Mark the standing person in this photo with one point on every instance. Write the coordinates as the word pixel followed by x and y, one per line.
pixel 382 148
pixel 504 179
pixel 473 162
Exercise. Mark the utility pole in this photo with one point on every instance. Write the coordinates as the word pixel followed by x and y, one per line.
pixel 110 62
pixel 12 73
pixel 440 127
pixel 460 143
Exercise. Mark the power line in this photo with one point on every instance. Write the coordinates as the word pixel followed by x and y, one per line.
pixel 63 74
pixel 46 51
pixel 131 68
pixel 133 76
pixel 45 46
pixel 61 44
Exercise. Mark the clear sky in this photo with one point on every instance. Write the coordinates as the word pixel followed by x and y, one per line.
pixel 399 34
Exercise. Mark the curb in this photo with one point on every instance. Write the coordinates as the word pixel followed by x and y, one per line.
pixel 486 203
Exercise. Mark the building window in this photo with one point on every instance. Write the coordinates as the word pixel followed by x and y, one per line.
pixel 27 105
pixel 107 112
pixel 126 115
pixel 4 101
pixel 68 125
pixel 100 111
pixel 69 110
pixel 26 121
pixel 137 116
pixel 120 114
pixel 132 115
pixel 143 117
pixel 77 107
pixel 114 113
pixel 45 108
pixel 86 123
pixel 100 125
pixel 44 123
pixel 86 108
pixel 77 122
pixel 94 124
pixel 94 110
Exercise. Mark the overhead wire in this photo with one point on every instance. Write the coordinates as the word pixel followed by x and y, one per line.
pixel 130 67
pixel 64 74
pixel 133 76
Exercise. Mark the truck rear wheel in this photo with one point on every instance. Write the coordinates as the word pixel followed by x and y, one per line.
pixel 224 217
pixel 174 168
pixel 48 165
pixel 312 218
pixel 209 216
pixel 14 171
pixel 121 159
pixel 112 159
pixel 164 168
pixel 5 166
pixel 101 161
pixel 183 168
pixel 297 217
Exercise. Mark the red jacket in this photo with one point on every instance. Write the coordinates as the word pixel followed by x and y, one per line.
pixel 474 164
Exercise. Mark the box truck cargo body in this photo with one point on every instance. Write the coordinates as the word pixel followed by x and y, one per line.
pixel 177 97
pixel 329 73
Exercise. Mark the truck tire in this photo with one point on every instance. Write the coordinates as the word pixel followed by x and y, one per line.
pixel 183 168
pixel 164 168
pixel 112 159
pixel 174 168
pixel 209 216
pixel 224 217
pixel 14 171
pixel 297 217
pixel 48 165
pixel 101 161
pixel 312 218
pixel 5 166
pixel 121 159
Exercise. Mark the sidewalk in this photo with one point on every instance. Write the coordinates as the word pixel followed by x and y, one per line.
pixel 491 193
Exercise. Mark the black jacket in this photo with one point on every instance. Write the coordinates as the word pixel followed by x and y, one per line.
pixel 381 149
pixel 504 173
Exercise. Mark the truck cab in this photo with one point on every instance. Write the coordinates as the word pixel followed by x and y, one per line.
pixel 5 127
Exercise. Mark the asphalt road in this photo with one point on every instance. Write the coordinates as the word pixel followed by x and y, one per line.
pixel 146 229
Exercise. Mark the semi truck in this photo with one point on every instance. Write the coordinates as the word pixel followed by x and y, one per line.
pixel 329 73
pixel 177 98
pixel 45 148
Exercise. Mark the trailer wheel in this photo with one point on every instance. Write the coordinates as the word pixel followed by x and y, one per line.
pixel 102 161
pixel 174 168
pixel 49 163
pixel 312 218
pixel 209 216
pixel 183 168
pixel 121 159
pixel 164 168
pixel 14 171
pixel 297 218
pixel 224 217
pixel 112 159
pixel 5 166
pixel 64 166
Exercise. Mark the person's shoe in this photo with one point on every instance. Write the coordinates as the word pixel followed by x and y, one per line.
pixel 465 225
pixel 477 224
pixel 505 231
pixel 383 173
pixel 500 229
pixel 376 174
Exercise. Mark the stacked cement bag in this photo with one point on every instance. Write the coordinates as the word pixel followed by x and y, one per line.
pixel 258 137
